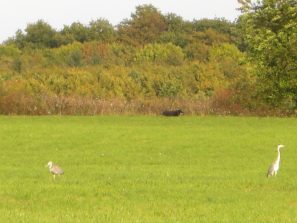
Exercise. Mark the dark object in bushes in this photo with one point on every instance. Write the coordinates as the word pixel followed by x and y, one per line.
pixel 172 113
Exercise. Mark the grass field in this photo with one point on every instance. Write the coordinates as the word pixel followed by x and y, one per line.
pixel 147 169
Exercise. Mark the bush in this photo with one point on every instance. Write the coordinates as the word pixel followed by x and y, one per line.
pixel 70 55
pixel 160 54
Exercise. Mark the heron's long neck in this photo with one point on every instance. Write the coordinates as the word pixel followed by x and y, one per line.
pixel 278 156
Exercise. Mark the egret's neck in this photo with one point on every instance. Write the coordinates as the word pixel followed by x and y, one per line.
pixel 278 156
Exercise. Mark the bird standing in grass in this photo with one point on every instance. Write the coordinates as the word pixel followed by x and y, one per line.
pixel 272 171
pixel 54 169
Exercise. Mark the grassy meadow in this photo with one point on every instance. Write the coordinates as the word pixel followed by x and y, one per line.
pixel 147 169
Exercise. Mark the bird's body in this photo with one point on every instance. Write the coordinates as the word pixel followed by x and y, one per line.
pixel 55 169
pixel 273 168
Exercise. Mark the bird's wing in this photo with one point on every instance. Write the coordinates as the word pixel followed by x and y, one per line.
pixel 57 170
pixel 270 169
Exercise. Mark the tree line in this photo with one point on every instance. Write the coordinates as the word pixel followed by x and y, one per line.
pixel 153 61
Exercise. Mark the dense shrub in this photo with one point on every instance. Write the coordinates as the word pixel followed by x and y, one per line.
pixel 160 54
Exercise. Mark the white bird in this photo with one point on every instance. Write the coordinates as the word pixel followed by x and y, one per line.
pixel 272 171
pixel 55 169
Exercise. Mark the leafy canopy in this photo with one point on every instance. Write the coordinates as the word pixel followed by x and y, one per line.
pixel 270 28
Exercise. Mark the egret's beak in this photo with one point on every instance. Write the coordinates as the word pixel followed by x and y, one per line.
pixel 45 165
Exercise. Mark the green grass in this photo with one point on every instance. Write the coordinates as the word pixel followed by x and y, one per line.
pixel 147 169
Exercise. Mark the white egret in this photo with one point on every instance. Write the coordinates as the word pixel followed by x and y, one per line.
pixel 272 171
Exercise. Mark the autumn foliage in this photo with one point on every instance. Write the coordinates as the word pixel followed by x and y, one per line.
pixel 148 63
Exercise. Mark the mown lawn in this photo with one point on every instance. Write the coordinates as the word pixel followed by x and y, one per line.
pixel 147 169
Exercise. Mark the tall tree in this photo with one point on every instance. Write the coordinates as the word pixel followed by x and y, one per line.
pixel 145 26
pixel 220 25
pixel 76 31
pixel 102 30
pixel 39 34
pixel 270 28
pixel 179 32
pixel 18 39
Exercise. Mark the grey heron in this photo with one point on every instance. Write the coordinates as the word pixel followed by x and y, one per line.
pixel 273 168
pixel 55 169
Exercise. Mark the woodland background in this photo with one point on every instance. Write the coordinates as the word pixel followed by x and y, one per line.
pixel 153 61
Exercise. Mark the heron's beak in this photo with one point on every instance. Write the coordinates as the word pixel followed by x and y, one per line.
pixel 45 165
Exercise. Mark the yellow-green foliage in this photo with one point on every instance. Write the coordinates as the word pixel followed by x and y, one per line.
pixel 150 56
pixel 9 51
pixel 9 58
pixel 160 54
pixel 69 55
pixel 97 70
